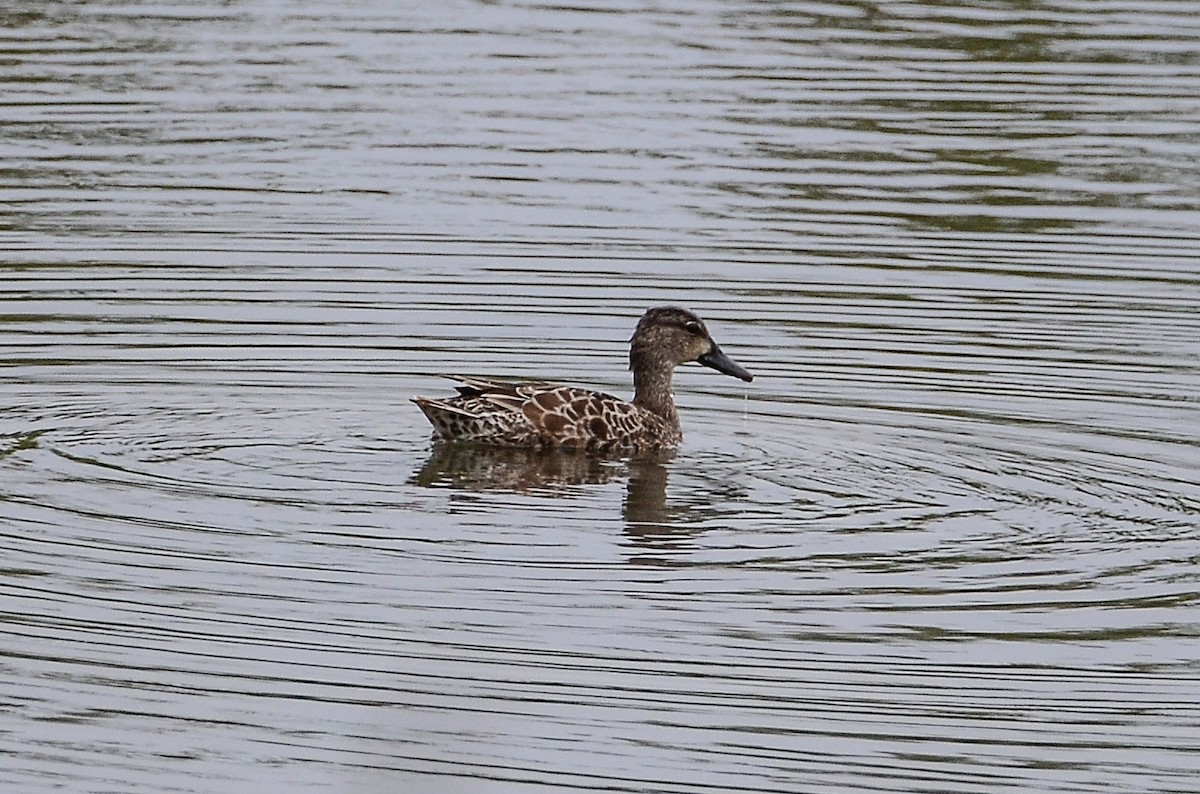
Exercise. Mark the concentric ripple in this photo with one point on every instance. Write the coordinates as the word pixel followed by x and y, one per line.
pixel 944 542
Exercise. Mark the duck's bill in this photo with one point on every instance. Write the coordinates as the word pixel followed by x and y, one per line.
pixel 717 360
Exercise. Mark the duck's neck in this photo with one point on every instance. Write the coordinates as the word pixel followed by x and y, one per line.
pixel 652 389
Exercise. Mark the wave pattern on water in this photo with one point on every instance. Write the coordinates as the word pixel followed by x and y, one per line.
pixel 944 542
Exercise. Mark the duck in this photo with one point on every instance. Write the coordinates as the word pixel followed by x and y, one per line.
pixel 534 414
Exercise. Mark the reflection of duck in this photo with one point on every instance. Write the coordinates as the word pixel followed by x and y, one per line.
pixel 481 468
pixel 547 415
pixel 467 467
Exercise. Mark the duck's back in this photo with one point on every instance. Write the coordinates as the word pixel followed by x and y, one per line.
pixel 545 415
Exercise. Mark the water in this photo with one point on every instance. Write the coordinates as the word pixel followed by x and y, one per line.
pixel 946 541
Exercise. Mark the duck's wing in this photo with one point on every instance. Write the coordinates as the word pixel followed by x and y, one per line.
pixel 499 394
pixel 486 411
pixel 474 387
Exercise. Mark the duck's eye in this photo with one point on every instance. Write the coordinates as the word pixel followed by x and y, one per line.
pixel 692 327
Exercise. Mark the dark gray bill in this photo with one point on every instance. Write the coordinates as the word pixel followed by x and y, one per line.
pixel 722 363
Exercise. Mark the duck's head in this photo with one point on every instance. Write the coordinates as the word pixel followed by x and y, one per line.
pixel 672 335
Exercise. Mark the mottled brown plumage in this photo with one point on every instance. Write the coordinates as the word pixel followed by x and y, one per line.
pixel 547 415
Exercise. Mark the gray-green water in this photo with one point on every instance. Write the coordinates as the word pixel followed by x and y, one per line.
pixel 947 541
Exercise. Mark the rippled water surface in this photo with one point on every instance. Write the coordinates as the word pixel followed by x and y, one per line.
pixel 947 541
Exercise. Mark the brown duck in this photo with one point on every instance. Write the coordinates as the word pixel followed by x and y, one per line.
pixel 547 415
